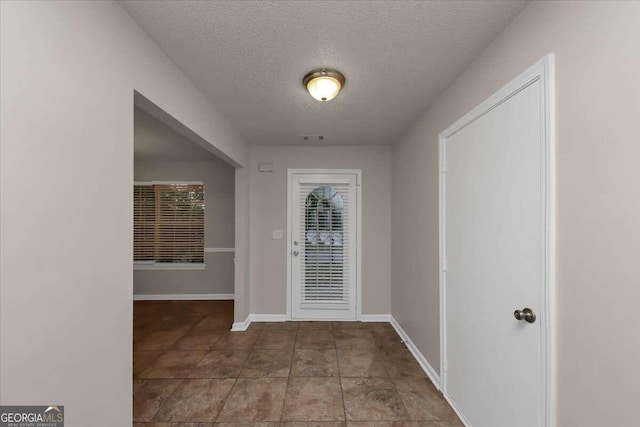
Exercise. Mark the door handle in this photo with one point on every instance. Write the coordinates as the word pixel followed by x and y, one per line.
pixel 526 314
pixel 295 253
pixel 295 243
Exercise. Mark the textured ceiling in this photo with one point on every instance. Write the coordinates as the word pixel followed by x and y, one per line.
pixel 154 140
pixel 249 58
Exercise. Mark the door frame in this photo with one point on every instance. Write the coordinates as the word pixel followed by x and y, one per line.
pixel 543 71
pixel 358 230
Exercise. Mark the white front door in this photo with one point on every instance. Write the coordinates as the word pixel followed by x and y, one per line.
pixel 495 260
pixel 323 249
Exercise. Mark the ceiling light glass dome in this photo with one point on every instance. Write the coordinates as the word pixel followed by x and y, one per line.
pixel 323 85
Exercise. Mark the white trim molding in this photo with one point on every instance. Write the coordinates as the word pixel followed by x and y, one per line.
pixel 422 361
pixel 386 318
pixel 241 326
pixel 269 318
pixel 544 72
pixel 258 318
pixel 183 297
pixel 218 250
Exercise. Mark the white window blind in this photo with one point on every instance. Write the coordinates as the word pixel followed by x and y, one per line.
pixel 325 248
pixel 144 217
pixel 169 223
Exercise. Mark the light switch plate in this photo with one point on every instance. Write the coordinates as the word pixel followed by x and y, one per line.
pixel 277 234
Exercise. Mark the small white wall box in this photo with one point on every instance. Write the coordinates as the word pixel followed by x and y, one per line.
pixel 277 234
pixel 265 167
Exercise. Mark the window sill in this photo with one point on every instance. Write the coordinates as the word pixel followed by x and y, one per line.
pixel 167 266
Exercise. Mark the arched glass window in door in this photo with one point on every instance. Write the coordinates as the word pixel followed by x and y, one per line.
pixel 324 245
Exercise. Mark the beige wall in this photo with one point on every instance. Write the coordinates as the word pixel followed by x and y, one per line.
pixel 269 212
pixel 597 47
pixel 217 277
pixel 67 78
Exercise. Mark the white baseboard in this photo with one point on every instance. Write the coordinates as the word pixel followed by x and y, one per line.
pixel 375 318
pixel 241 326
pixel 182 297
pixel 255 317
pixel 268 317
pixel 424 363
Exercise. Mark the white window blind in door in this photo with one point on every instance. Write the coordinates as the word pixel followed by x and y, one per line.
pixel 325 230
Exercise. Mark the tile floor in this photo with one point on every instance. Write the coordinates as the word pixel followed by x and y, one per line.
pixel 190 371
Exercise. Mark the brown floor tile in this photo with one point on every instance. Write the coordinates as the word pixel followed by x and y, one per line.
pixel 267 424
pixel 313 399
pixel 387 338
pixel 173 364
pixel 139 335
pixel 267 363
pixel 276 340
pixel 178 425
pixel 237 340
pixel 274 325
pixel 399 424
pixel 315 339
pixel 372 399
pixel 348 325
pixel 166 330
pixel 200 308
pixel 160 340
pixel 315 363
pixel 392 354
pixel 422 400
pixel 171 321
pixel 314 424
pixel 400 362
pixel 314 325
pixel 354 338
pixel 198 340
pixel 149 396
pixel 220 364
pixel 380 326
pixel 454 423
pixel 143 359
pixel 196 400
pixel 254 399
pixel 396 343
pixel 404 368
pixel 213 322
pixel 361 363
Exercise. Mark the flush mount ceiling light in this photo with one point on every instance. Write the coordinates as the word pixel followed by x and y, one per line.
pixel 323 84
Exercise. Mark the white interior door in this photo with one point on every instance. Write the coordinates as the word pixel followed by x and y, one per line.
pixel 323 247
pixel 494 262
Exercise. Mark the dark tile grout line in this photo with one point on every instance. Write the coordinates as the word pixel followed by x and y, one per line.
pixel 286 389
pixel 344 404
pixel 215 417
